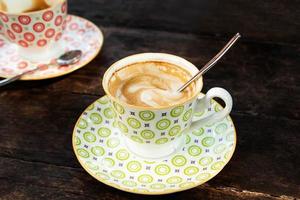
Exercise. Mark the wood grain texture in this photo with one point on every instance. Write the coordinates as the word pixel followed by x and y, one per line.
pixel 269 20
pixel 254 73
pixel 37 119
pixel 261 72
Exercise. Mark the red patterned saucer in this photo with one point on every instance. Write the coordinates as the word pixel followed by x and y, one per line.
pixel 79 34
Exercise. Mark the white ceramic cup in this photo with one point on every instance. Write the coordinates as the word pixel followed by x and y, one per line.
pixel 37 34
pixel 158 132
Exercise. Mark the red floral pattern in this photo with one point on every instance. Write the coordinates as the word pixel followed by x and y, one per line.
pixel 11 63
pixel 64 25
pixel 23 43
pixel 41 42
pixel 24 19
pixel 50 32
pixel 81 31
pixel 74 26
pixel 58 20
pixel 16 28
pixel 29 37
pixel 4 17
pixel 69 18
pixel 39 27
pixel 64 7
pixel 48 16
pixel 22 65
pixel 43 67
pixel 11 35
pixel 58 36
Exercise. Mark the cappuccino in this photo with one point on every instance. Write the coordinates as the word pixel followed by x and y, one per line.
pixel 150 84
pixel 23 6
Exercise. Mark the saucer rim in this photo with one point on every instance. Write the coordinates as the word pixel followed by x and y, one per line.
pixel 168 191
pixel 101 39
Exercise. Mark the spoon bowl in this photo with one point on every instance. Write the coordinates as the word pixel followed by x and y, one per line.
pixel 68 58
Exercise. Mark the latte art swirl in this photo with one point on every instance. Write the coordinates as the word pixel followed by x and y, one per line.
pixel 150 84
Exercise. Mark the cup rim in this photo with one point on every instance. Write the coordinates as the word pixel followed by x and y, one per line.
pixel 34 12
pixel 199 82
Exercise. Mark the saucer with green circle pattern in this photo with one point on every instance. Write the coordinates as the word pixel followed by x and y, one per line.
pixel 98 145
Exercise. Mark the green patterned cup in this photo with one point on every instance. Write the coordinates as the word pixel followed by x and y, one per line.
pixel 157 132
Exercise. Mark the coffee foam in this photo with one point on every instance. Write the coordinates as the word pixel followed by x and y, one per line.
pixel 20 6
pixel 150 84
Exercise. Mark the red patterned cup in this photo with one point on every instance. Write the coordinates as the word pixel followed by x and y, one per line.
pixel 36 33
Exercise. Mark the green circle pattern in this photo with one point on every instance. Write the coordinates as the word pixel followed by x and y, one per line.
pixel 208 141
pixel 103 100
pixel 89 137
pixel 178 160
pixel 113 142
pixel 134 166
pixel 119 108
pixel 158 186
pixel 109 113
pixel 122 154
pixel 162 169
pixel 82 124
pixel 205 161
pixel 133 123
pixel 175 112
pixel 137 139
pixel 83 153
pixel 194 150
pixel 187 115
pixel 217 165
pixel 146 115
pixel 174 130
pixel 118 174
pixel 147 134
pixel 129 183
pixel 174 180
pixel 163 124
pixel 98 151
pixel 108 162
pixel 161 141
pixel 198 132
pixel 203 176
pixel 123 127
pixel 190 171
pixel 104 132
pixel 96 118
pixel 145 178
pixel 77 141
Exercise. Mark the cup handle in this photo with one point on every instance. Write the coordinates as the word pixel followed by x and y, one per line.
pixel 204 103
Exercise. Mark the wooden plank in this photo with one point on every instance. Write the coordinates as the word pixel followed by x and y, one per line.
pixel 55 182
pixel 270 20
pixel 39 130
pixel 261 77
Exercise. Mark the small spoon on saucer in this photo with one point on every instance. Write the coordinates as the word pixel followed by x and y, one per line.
pixel 68 58
pixel 211 63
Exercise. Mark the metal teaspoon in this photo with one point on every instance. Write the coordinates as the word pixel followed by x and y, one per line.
pixel 68 58
pixel 211 63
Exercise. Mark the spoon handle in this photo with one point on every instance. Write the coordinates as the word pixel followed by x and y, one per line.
pixel 212 62
pixel 16 77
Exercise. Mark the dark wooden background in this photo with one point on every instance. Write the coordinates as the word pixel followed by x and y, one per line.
pixel 262 73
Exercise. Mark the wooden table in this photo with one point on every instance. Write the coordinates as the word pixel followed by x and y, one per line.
pixel 261 72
